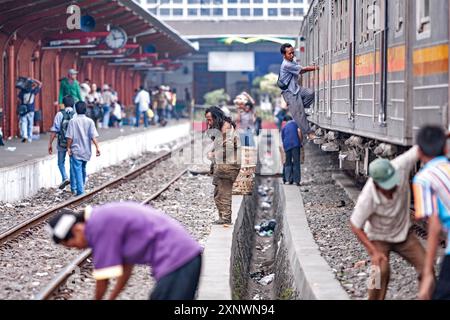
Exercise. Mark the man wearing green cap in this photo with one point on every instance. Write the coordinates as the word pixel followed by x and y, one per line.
pixel 381 219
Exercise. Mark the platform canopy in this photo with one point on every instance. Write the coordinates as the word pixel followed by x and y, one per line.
pixel 40 20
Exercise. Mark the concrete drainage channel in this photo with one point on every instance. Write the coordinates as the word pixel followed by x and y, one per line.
pixel 284 265
pixel 252 255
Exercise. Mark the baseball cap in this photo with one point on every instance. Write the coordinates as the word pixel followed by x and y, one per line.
pixel 60 226
pixel 73 71
pixel 384 174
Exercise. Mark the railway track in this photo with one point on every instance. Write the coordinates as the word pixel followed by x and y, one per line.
pixel 38 219
pixel 25 235
pixel 82 258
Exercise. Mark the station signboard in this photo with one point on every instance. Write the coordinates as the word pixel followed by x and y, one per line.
pixel 76 40
pixel 102 51
pixel 140 58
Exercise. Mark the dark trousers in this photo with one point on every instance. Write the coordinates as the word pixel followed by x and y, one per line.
pixel 138 114
pixel 291 170
pixel 180 284
pixel 297 104
pixel 442 291
pixel 138 117
pixel 160 115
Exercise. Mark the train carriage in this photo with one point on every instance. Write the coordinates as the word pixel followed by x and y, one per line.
pixel 384 72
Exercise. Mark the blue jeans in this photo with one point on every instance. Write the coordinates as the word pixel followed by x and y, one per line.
pixel 106 115
pixel 26 126
pixel 247 139
pixel 138 115
pixel 61 164
pixel 292 166
pixel 77 175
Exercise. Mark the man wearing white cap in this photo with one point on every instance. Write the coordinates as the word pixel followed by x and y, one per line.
pixel 123 234
pixel 70 87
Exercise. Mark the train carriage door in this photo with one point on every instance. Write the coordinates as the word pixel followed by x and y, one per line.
pixel 323 61
pixel 377 19
pixel 352 53
pixel 316 61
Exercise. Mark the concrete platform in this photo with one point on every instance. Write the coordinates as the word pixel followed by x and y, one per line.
pixel 313 276
pixel 215 277
pixel 29 167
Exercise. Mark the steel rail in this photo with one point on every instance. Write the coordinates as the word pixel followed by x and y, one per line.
pixel 15 231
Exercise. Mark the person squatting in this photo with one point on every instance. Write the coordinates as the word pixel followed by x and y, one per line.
pixel 123 234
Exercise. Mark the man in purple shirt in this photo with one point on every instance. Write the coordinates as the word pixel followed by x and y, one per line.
pixel 123 234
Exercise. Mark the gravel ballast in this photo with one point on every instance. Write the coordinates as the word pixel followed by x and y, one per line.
pixel 189 201
pixel 29 262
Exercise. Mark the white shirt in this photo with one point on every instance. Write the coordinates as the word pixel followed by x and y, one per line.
pixel 143 99
pixel 387 219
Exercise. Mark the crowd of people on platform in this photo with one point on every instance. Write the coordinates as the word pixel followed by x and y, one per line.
pixel 103 103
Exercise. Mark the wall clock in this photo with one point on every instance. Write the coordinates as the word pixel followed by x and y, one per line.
pixel 117 38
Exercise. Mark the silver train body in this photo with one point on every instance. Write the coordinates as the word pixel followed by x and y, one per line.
pixel 384 73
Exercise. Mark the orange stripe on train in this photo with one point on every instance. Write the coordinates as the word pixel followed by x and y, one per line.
pixel 426 62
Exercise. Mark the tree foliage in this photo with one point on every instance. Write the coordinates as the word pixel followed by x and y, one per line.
pixel 216 97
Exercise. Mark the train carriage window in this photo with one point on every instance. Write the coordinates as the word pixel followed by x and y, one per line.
pixel 344 24
pixel 399 16
pixel 336 25
pixel 363 22
pixel 423 19
pixel 370 18
pixel 341 24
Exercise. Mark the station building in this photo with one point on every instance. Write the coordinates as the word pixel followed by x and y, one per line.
pixel 43 40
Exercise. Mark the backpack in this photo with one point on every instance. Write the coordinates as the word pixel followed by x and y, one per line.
pixel 97 112
pixel 67 116
pixel 283 86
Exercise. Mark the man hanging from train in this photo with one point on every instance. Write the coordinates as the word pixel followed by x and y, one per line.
pixel 297 98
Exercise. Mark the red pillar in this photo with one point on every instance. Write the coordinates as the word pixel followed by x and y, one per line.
pixel 57 74
pixel 113 77
pixel 12 93
pixel 89 69
pixel 102 74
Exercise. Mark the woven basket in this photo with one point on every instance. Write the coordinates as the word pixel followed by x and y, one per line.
pixel 245 181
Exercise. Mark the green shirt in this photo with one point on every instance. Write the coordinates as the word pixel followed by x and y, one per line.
pixel 69 89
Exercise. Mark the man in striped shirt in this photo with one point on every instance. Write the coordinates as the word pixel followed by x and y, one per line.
pixel 431 188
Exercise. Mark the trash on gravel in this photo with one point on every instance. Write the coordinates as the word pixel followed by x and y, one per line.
pixel 266 228
pixel 41 274
pixel 258 275
pixel 341 204
pixel 266 233
pixel 265 205
pixel 267 279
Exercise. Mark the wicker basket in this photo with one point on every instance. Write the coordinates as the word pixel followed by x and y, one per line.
pixel 245 181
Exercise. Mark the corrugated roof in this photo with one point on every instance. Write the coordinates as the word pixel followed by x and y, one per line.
pixel 40 19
